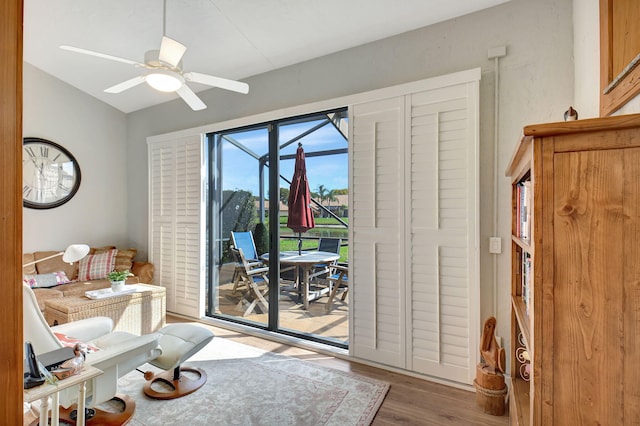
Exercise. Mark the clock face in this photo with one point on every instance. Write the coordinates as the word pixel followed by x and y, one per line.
pixel 50 174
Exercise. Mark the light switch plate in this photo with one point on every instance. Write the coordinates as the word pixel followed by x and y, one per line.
pixel 495 245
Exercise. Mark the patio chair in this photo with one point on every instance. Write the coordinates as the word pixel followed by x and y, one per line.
pixel 332 245
pixel 244 241
pixel 323 270
pixel 340 278
pixel 254 276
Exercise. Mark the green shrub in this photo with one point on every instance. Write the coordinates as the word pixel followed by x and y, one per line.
pixel 261 238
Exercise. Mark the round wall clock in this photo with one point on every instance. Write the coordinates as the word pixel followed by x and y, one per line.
pixel 50 174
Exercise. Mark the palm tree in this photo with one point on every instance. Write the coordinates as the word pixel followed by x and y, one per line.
pixel 331 196
pixel 322 193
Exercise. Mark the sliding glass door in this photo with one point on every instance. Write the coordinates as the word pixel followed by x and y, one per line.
pixel 243 173
pixel 237 183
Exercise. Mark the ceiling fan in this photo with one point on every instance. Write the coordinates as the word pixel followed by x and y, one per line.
pixel 164 71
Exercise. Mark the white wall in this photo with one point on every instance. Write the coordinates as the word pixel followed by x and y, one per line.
pixel 586 38
pixel 95 133
pixel 536 86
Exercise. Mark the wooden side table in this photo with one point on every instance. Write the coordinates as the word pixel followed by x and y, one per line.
pixel 44 391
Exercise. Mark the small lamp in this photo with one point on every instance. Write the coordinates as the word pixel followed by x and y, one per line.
pixel 73 253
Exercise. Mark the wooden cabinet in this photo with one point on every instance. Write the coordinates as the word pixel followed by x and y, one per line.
pixel 575 280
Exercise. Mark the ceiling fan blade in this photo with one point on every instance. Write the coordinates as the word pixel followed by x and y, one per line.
pixel 190 98
pixel 128 84
pixel 223 83
pixel 100 55
pixel 171 51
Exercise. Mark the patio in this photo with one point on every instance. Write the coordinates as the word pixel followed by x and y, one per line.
pixel 315 320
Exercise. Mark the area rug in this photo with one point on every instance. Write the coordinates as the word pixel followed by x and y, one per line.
pixel 247 386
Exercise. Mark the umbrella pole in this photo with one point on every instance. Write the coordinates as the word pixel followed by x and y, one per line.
pixel 299 270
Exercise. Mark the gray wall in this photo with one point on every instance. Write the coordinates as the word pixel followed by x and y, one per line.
pixel 95 134
pixel 536 86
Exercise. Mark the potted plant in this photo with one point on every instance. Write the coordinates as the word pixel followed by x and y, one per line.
pixel 118 278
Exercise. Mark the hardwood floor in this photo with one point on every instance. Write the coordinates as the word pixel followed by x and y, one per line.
pixel 410 401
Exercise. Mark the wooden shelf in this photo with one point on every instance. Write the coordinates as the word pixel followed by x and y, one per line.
pixel 523 244
pixel 523 320
pixel 519 401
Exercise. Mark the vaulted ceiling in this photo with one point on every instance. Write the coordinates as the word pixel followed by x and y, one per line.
pixel 234 39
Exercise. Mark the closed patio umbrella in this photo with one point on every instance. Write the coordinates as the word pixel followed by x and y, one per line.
pixel 300 215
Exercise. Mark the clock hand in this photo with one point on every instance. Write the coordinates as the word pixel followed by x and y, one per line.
pixel 33 160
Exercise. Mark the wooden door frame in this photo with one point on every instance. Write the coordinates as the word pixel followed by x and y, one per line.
pixel 617 86
pixel 11 367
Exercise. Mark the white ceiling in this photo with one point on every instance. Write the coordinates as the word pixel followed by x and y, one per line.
pixel 233 39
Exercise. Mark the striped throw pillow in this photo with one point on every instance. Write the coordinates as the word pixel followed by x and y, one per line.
pixel 97 266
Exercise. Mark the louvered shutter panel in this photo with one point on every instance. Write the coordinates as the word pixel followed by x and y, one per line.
pixel 414 259
pixel 176 235
pixel 377 197
pixel 162 195
pixel 441 193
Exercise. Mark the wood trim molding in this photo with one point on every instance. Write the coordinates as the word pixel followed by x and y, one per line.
pixel 11 364
pixel 619 54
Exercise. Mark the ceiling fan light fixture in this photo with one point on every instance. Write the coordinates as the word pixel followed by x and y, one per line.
pixel 165 80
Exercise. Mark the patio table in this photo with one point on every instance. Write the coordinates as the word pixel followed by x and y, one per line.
pixel 306 261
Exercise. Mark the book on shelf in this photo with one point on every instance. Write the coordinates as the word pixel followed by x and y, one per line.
pixel 526 281
pixel 523 210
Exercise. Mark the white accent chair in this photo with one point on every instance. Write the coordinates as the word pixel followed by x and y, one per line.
pixel 119 352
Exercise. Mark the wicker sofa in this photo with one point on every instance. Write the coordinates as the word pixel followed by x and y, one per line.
pixel 55 279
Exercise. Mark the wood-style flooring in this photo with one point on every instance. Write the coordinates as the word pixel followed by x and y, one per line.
pixel 410 401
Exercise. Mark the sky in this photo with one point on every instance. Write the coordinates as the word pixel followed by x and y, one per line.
pixel 240 169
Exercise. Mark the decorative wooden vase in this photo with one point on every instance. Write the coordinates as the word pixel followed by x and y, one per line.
pixel 491 391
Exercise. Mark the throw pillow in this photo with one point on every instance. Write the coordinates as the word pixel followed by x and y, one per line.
pixel 98 250
pixel 55 264
pixel 28 258
pixel 124 259
pixel 96 266
pixel 45 280
pixel 72 341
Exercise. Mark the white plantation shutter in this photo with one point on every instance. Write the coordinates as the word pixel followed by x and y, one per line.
pixel 414 259
pixel 176 220
pixel 442 233
pixel 377 247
